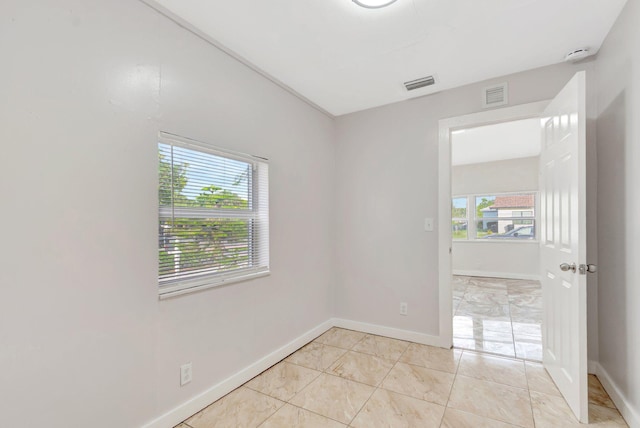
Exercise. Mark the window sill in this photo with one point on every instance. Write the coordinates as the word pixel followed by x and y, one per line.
pixel 187 287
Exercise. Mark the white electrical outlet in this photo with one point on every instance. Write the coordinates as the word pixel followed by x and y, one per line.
pixel 404 309
pixel 185 374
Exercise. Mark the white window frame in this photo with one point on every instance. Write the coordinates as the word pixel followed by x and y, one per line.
pixel 258 214
pixel 459 219
pixel 472 220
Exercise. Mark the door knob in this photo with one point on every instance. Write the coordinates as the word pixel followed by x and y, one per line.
pixel 565 267
pixel 591 268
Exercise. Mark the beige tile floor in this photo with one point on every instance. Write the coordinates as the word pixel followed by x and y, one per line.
pixel 499 316
pixel 347 378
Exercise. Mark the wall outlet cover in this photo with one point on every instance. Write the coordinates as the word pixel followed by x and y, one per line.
pixel 186 374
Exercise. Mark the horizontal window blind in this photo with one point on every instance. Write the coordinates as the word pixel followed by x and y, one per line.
pixel 214 215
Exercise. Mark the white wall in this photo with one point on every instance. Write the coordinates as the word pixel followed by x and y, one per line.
pixel 517 260
pixel 387 170
pixel 496 258
pixel 618 128
pixel 512 175
pixel 86 86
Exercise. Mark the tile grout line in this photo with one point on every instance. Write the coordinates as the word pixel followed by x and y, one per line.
pixel 314 412
pixel 325 371
pixel 455 376
pixel 363 405
pixel 490 381
pixel 266 395
pixel 529 393
pixel 377 387
pixel 513 335
pixel 321 372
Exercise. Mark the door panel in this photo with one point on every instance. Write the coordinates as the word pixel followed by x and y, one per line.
pixel 563 240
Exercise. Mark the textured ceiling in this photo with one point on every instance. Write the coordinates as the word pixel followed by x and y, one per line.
pixel 346 58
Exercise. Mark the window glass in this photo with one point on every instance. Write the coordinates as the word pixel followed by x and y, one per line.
pixel 459 224
pixel 497 216
pixel 213 215
pixel 505 216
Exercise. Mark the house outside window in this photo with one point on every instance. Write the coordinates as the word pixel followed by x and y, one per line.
pixel 495 217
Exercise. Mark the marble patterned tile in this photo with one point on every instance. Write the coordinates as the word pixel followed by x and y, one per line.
pixel 459 281
pixel 283 381
pixel 474 289
pixel 490 311
pixel 476 328
pixel 182 426
pixel 388 409
pixel 457 294
pixel 539 380
pixel 334 397
pixel 340 338
pixel 492 400
pixel 316 356
pixel 492 283
pixel 501 348
pixel 382 347
pixel 242 407
pixel 480 334
pixel 526 300
pixel 459 286
pixel 597 393
pixel 482 323
pixel 485 298
pixel 524 287
pixel 456 303
pixel 431 357
pixel 294 417
pixel 458 419
pixel 361 367
pixel 551 411
pixel 459 289
pixel 528 351
pixel 527 332
pixel 496 369
pixel 419 382
pixel 601 416
pixel 523 314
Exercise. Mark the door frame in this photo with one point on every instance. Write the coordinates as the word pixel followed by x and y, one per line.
pixel 489 117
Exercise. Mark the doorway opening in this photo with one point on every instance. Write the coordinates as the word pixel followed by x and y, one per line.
pixel 448 129
pixel 562 232
pixel 497 296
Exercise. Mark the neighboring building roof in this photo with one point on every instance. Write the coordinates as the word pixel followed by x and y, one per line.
pixel 514 201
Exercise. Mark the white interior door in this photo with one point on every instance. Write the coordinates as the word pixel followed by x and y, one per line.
pixel 563 243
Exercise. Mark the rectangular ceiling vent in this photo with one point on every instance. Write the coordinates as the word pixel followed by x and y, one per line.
pixel 419 83
pixel 493 96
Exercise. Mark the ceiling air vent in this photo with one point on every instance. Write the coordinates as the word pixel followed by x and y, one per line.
pixel 493 96
pixel 419 83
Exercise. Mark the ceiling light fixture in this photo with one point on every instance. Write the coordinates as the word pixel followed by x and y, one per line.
pixel 373 4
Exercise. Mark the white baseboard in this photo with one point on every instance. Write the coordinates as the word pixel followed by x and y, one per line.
pixel 199 402
pixel 193 406
pixel 631 415
pixel 394 333
pixel 592 367
pixel 504 275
